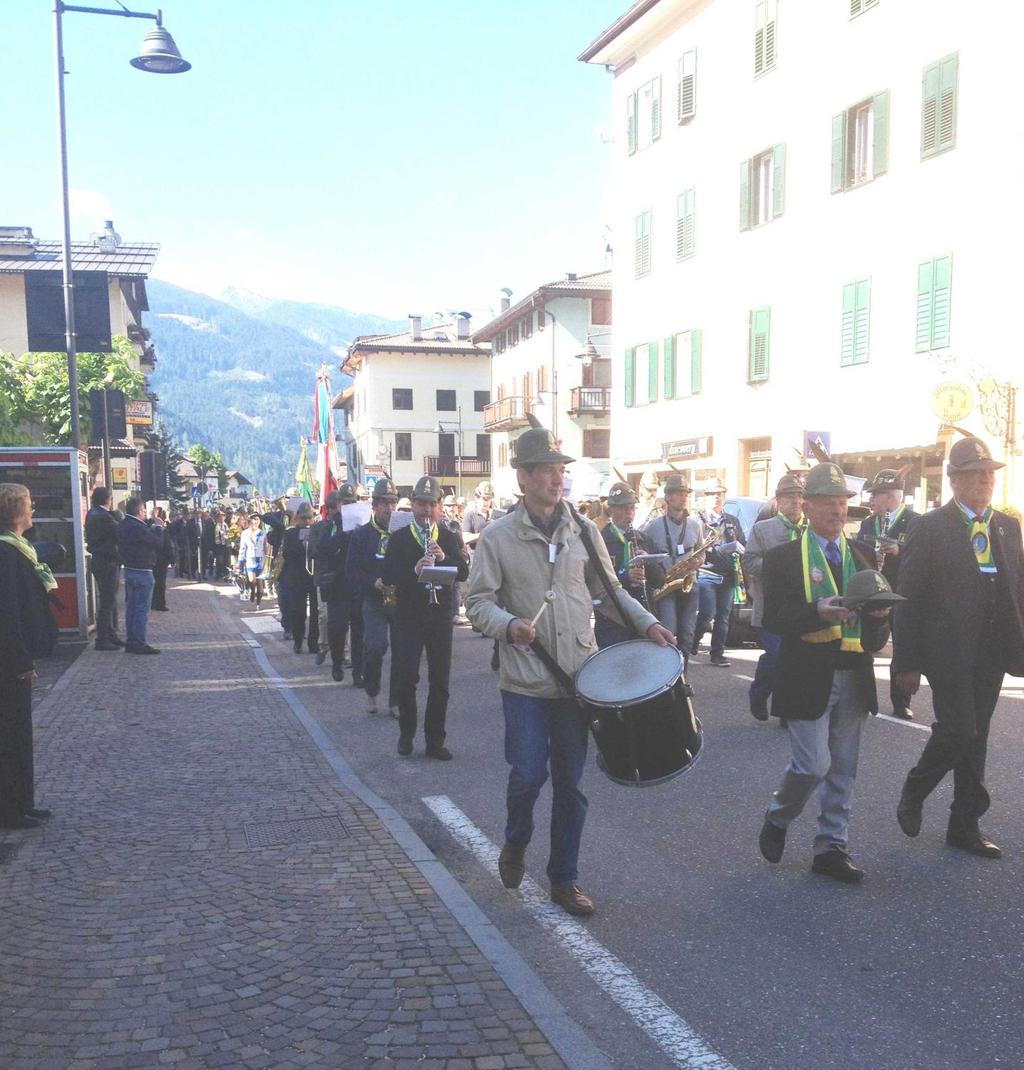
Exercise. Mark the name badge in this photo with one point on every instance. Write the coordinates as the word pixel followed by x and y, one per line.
pixel 681 549
pixel 552 553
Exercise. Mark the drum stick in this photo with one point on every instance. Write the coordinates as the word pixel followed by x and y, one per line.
pixel 549 597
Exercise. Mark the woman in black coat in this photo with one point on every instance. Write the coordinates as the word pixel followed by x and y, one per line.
pixel 27 631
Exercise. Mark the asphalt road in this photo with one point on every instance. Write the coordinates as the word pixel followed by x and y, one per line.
pixel 774 967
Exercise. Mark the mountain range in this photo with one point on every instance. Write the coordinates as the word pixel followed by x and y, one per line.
pixel 237 373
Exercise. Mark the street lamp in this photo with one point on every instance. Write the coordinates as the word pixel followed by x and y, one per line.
pixel 590 351
pixel 384 453
pixel 440 430
pixel 158 55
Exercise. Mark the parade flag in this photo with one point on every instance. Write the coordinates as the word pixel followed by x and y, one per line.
pixel 323 435
pixel 303 480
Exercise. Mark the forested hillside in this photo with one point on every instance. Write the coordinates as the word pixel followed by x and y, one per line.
pixel 243 385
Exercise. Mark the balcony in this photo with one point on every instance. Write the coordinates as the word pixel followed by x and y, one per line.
pixel 590 400
pixel 507 414
pixel 449 467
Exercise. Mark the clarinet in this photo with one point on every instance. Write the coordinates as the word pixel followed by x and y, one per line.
pixel 432 588
pixel 883 529
pixel 632 540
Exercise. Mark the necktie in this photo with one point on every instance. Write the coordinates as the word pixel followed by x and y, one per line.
pixel 832 553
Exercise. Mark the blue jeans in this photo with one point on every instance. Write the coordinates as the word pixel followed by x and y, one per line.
pixel 764 674
pixel 715 605
pixel 138 593
pixel 534 729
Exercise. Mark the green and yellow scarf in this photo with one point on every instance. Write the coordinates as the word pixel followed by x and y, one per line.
pixel 24 547
pixel 820 583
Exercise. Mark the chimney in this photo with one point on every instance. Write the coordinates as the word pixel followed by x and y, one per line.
pixel 415 327
pixel 17 242
pixel 109 238
pixel 506 298
pixel 462 325
pixel 570 276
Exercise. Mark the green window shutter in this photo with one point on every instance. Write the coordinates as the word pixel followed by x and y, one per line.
pixel 652 371
pixel 760 332
pixel 656 108
pixel 880 117
pixel 856 7
pixel 839 152
pixel 686 89
pixel 849 329
pixel 631 106
pixel 948 70
pixel 695 361
pixel 942 278
pixel 862 321
pixel 629 395
pixel 642 245
pixel 669 387
pixel 925 277
pixel 685 224
pixel 760 18
pixel 745 212
pixel 779 175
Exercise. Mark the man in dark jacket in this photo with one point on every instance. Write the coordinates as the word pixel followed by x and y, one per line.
pixel 328 542
pixel 423 616
pixel 962 626
pixel 824 682
pixel 366 552
pixel 716 600
pixel 622 541
pixel 101 540
pixel 207 546
pixel 138 544
pixel 886 531
pixel 193 533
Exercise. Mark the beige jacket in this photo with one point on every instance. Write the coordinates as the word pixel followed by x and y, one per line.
pixel 510 574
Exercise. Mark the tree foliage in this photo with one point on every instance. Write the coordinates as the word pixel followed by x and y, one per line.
pixel 177 488
pixel 35 399
pixel 207 461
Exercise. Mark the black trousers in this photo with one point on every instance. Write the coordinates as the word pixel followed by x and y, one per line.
pixel 160 585
pixel 299 598
pixel 105 575
pixel 959 741
pixel 17 776
pixel 900 699
pixel 410 636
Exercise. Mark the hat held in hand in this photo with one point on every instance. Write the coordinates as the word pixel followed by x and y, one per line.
pixel 868 590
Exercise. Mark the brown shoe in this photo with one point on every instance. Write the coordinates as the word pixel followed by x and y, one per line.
pixel 511 865
pixel 571 899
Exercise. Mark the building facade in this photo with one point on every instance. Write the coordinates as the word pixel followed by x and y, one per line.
pixel 550 357
pixel 810 203
pixel 416 407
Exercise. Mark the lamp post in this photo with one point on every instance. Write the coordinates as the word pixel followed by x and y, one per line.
pixel 439 430
pixel 384 454
pixel 158 55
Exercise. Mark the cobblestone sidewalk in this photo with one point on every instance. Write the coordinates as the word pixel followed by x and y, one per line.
pixel 209 895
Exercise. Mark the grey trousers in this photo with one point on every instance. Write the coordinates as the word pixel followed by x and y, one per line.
pixel 825 754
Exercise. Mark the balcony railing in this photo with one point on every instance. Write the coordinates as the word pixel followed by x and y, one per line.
pixel 590 399
pixel 449 466
pixel 507 414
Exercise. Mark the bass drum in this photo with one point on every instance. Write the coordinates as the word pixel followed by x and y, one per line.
pixel 641 714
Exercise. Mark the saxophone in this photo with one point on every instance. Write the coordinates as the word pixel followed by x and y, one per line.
pixel 681 577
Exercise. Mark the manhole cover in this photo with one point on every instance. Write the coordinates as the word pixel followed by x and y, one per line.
pixel 298 830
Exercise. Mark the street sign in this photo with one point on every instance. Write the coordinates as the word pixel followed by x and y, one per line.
pixel 821 439
pixel 139 413
pixel 370 481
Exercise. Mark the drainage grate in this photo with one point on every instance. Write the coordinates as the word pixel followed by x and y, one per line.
pixel 298 830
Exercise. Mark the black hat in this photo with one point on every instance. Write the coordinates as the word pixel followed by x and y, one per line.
pixel 538 446
pixel 384 491
pixel 676 481
pixel 887 479
pixel 621 494
pixel 826 480
pixel 427 489
pixel 791 482
pixel 347 493
pixel 868 590
pixel 971 455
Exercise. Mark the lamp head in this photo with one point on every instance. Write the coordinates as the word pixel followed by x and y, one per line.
pixel 159 54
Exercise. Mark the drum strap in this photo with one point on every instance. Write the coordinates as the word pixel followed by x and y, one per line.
pixel 556 670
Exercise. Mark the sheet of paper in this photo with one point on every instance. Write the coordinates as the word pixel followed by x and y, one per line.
pixel 354 515
pixel 399 521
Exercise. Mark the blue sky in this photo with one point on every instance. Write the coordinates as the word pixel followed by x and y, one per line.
pixel 392 156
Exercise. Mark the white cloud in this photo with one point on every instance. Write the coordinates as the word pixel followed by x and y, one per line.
pixel 91 206
pixel 245 375
pixel 253 421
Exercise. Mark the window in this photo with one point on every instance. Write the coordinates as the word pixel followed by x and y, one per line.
pixel 446 444
pixel 682 364
pixel 401 397
pixel 643 116
pixel 860 143
pixel 856 322
pixel 481 399
pixel 597 442
pixel 483 447
pixel 641 375
pixel 601 311
pixel 765 19
pixel 542 319
pixel 685 224
pixel 513 335
pixel 762 187
pixel 446 401
pixel 858 7
pixel 403 445
pixel 499 342
pixel 686 87
pixel 759 345
pixel 642 245
pixel 934 283
pixel 527 326
pixel 542 379
pixel 938 106
pixel 597 373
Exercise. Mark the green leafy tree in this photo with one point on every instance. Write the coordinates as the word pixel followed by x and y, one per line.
pixel 177 489
pixel 13 416
pixel 207 461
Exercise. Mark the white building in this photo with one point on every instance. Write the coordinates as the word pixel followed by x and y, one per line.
pixel 537 366
pixel 811 202
pixel 416 407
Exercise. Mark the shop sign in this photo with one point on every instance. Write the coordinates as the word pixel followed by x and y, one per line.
pixel 952 402
pixel 139 413
pixel 688 447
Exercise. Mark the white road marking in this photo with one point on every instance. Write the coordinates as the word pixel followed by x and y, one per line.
pixel 684 1047
pixel 905 724
pixel 261 624
pixel 740 676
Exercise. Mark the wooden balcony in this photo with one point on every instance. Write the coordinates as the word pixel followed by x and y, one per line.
pixel 507 414
pixel 590 400
pixel 448 467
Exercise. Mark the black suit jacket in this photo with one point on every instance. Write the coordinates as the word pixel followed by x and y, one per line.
pixel 939 627
pixel 398 568
pixel 803 679
pixel 900 531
